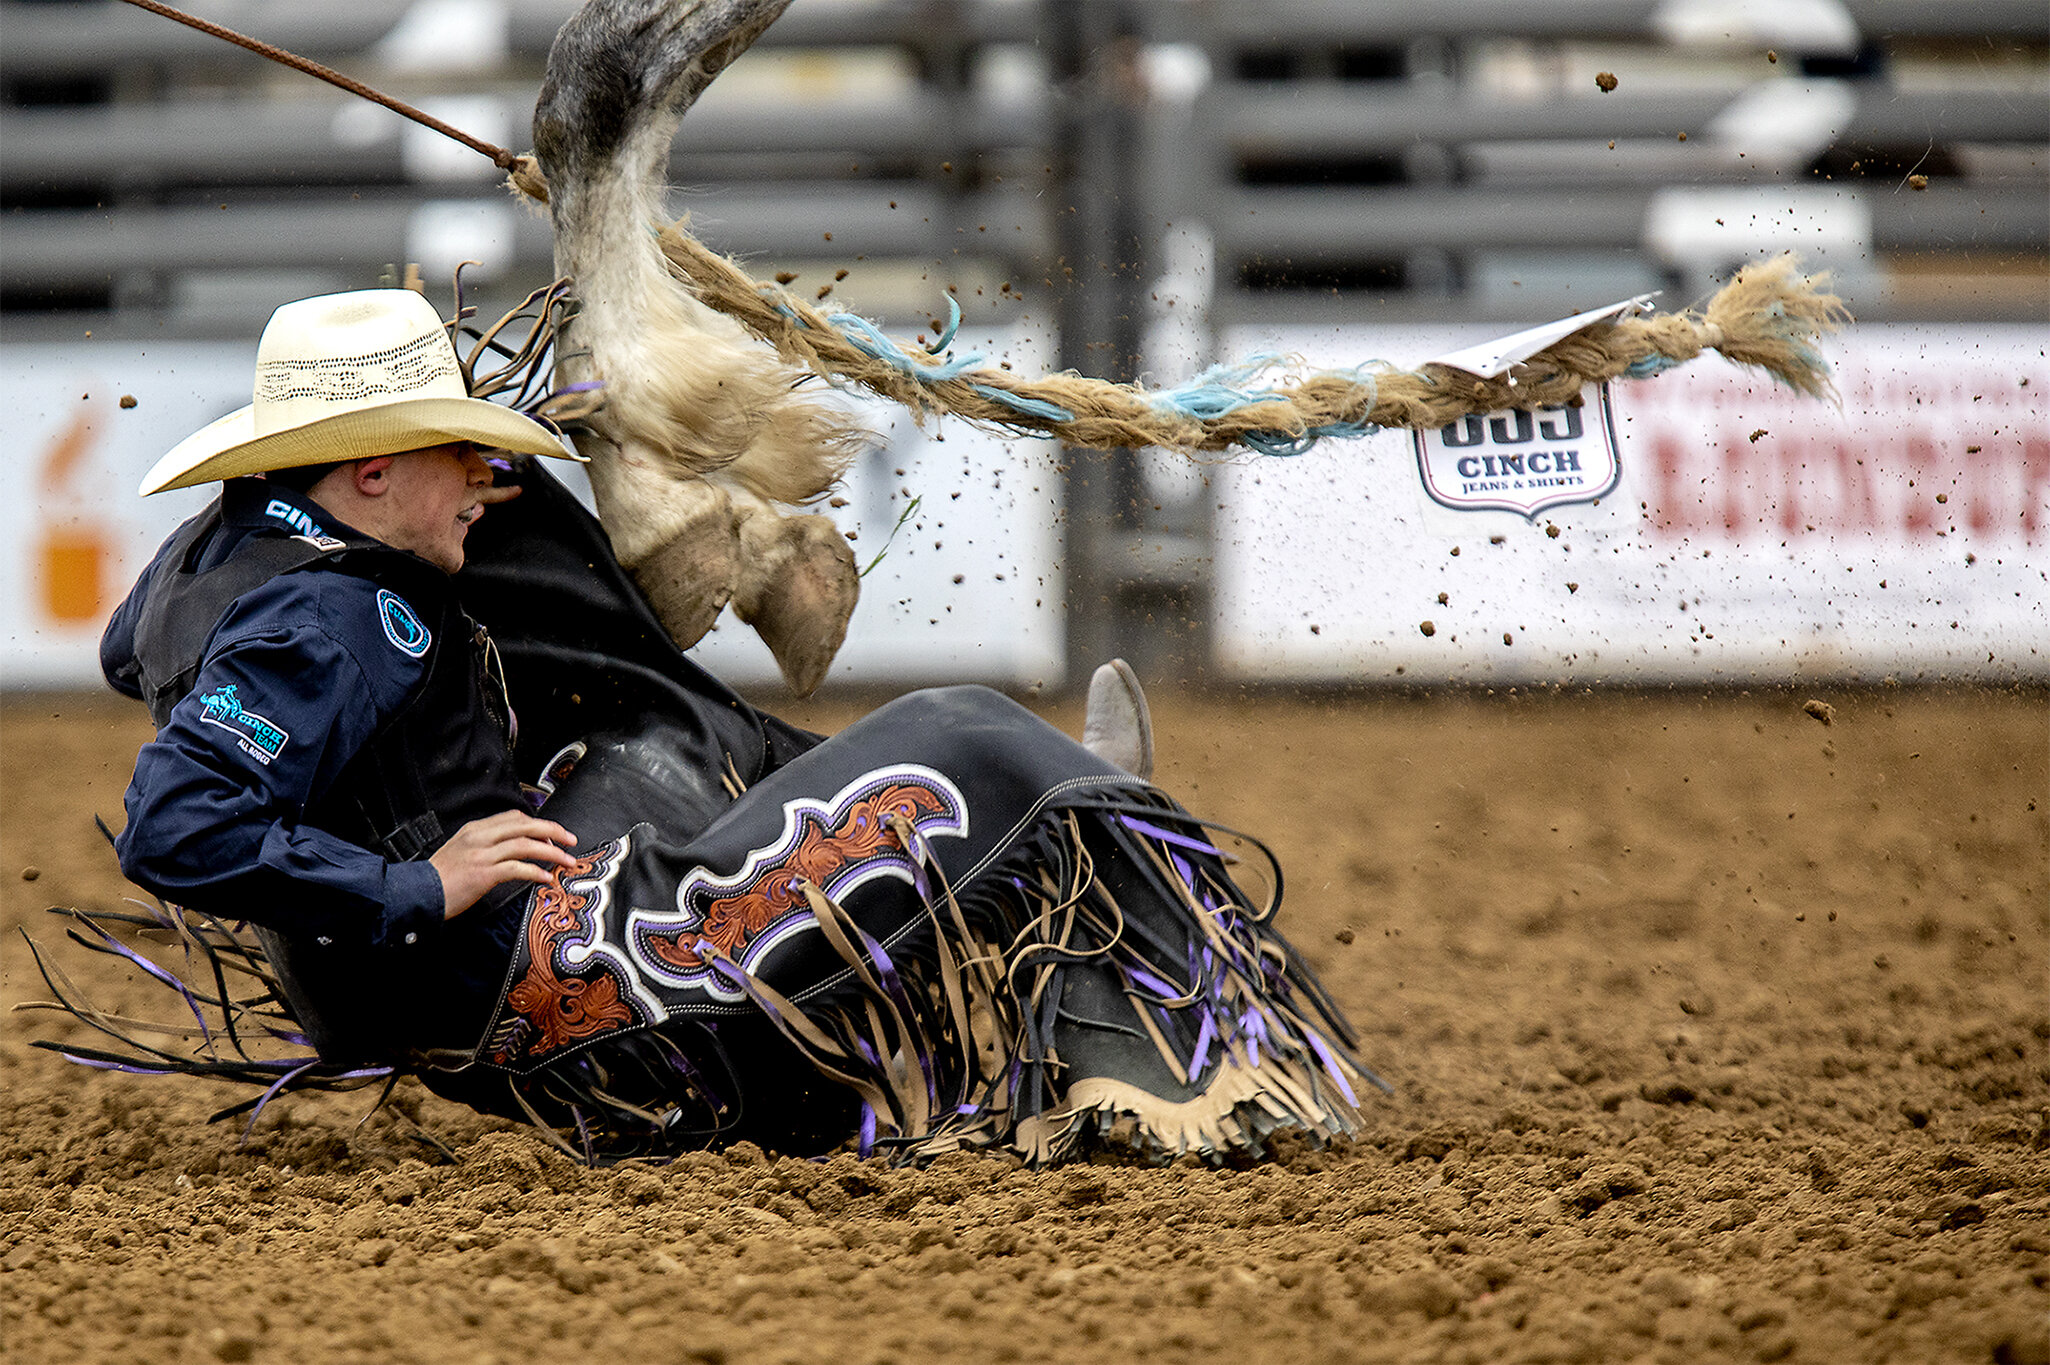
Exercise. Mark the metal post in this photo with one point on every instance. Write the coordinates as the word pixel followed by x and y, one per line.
pixel 1098 279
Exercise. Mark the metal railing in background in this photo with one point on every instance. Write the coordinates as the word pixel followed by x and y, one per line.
pixel 91 37
pixel 1452 160
pixel 1461 160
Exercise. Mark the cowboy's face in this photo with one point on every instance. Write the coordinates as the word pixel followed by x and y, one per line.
pixel 434 496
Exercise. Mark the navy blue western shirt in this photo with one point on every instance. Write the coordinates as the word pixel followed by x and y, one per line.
pixel 296 677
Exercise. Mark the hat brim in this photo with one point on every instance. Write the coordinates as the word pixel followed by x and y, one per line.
pixel 230 447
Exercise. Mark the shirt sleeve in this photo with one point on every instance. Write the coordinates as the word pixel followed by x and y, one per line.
pixel 217 809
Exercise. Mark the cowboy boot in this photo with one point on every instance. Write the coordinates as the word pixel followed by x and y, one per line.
pixel 1117 727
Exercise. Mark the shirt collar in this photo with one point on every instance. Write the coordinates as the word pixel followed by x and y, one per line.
pixel 256 504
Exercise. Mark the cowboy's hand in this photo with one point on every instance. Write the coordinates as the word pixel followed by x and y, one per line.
pixel 510 846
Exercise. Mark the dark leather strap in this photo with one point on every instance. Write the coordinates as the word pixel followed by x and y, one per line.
pixel 182 611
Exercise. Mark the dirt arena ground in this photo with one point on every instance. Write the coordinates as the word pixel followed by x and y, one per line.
pixel 1719 1034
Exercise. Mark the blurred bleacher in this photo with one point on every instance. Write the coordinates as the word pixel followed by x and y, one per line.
pixel 1307 159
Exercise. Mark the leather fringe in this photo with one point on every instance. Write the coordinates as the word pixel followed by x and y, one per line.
pixel 959 1042
pixel 246 1034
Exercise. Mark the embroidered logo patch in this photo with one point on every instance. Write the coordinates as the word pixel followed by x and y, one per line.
pixel 256 736
pixel 404 629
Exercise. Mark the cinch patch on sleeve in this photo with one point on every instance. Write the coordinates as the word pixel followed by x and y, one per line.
pixel 404 629
pixel 256 736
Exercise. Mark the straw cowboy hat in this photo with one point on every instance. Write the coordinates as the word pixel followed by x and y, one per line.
pixel 349 377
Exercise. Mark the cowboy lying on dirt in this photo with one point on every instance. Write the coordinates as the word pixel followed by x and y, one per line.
pixel 338 763
pixel 329 656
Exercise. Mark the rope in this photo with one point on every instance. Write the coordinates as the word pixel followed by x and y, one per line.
pixel 500 157
pixel 1769 317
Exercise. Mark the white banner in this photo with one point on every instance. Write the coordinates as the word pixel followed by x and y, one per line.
pixel 1756 535
pixel 73 534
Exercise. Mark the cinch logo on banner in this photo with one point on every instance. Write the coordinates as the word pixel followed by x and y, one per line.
pixel 1517 460
pixel 1523 462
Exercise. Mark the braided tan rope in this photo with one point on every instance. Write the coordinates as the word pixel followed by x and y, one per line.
pixel 1769 316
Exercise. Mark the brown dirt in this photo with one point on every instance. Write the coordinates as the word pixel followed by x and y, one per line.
pixel 1719 1035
